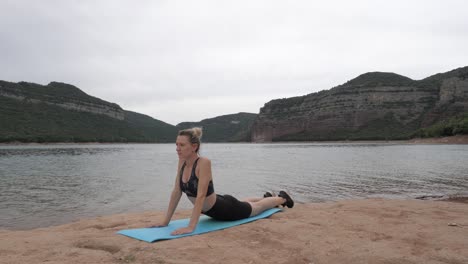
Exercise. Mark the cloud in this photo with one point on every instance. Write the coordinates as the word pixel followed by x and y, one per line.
pixel 167 53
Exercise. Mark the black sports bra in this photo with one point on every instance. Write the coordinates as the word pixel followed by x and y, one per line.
pixel 191 186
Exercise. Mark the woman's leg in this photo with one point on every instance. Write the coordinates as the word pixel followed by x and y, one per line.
pixel 252 199
pixel 265 204
pixel 256 199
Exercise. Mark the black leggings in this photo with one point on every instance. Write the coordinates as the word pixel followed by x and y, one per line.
pixel 228 208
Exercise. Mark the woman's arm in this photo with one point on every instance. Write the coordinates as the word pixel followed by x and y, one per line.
pixel 204 178
pixel 174 201
pixel 175 198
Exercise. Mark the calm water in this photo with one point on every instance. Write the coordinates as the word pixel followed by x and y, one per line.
pixel 54 184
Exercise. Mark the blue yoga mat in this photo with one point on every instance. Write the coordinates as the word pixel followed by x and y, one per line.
pixel 205 224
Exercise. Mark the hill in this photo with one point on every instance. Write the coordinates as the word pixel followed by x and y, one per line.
pixel 226 128
pixel 61 112
pixel 372 106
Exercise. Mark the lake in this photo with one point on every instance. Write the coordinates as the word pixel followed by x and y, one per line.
pixel 43 185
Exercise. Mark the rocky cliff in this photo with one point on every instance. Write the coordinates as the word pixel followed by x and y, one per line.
pixel 374 105
pixel 62 95
pixel 60 112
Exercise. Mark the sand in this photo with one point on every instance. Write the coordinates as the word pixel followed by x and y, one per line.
pixel 351 231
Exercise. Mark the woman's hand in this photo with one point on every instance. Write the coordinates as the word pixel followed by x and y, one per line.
pixel 161 224
pixel 183 230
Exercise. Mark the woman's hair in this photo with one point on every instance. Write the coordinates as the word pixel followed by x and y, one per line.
pixel 194 135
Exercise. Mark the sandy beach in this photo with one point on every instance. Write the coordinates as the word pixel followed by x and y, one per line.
pixel 350 231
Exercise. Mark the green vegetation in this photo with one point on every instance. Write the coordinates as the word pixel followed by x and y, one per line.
pixel 227 128
pixel 149 129
pixel 54 92
pixel 444 128
pixel 435 81
pixel 38 122
pixel 35 114
pixel 386 128
pixel 283 103
pixel 375 79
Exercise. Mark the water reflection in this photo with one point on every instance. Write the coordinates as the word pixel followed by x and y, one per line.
pixel 55 150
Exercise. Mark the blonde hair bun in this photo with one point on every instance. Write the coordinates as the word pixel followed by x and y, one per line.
pixel 194 135
pixel 197 132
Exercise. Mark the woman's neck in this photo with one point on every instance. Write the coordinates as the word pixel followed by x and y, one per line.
pixel 191 160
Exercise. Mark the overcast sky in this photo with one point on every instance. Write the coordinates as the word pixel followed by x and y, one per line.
pixel 190 60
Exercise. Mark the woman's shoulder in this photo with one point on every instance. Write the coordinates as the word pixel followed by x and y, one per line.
pixel 204 160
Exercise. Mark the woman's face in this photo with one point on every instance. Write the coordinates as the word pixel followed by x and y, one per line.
pixel 184 148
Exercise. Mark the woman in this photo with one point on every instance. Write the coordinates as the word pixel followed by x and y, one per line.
pixel 195 180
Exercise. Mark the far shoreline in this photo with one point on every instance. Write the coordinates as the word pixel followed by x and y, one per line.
pixel 450 140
